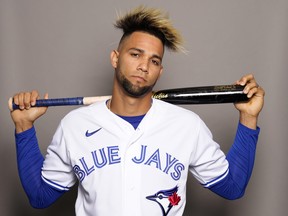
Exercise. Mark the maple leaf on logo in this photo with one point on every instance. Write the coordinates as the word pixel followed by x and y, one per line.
pixel 174 199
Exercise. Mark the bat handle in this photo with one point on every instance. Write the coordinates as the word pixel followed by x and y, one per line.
pixel 74 101
pixel 50 102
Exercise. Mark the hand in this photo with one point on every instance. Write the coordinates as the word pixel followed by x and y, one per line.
pixel 25 117
pixel 250 110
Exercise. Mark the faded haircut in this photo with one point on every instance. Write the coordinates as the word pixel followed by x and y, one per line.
pixel 152 21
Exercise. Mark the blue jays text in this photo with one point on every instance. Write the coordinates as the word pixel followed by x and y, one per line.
pixel 110 155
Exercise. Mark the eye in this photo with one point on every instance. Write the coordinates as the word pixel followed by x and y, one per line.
pixel 136 55
pixel 155 62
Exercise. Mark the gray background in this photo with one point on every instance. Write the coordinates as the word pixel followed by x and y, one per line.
pixel 62 47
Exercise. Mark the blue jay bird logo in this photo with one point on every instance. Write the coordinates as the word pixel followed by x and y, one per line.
pixel 166 199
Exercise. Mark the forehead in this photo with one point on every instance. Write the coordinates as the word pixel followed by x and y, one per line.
pixel 143 41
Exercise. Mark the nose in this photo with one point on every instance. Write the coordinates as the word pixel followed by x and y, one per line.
pixel 143 66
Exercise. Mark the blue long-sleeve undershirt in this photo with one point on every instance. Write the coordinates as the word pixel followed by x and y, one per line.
pixel 41 195
pixel 240 157
pixel 30 162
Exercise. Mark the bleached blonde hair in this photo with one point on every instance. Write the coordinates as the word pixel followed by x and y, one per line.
pixel 152 21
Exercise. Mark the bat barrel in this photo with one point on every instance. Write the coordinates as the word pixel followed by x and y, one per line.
pixel 203 95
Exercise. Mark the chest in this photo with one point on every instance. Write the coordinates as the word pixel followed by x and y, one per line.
pixel 163 152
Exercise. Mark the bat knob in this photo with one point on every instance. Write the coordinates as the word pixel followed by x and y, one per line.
pixel 10 104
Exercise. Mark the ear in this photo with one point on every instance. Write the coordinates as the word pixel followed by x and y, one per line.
pixel 114 58
pixel 161 71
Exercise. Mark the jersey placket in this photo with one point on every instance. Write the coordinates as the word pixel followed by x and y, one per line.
pixel 131 175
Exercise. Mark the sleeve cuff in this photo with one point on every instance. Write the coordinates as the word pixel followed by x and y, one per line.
pixel 26 132
pixel 249 130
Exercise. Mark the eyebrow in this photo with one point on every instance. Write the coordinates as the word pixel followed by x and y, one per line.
pixel 142 51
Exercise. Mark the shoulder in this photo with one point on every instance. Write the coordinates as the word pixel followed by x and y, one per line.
pixel 85 113
pixel 166 115
pixel 174 111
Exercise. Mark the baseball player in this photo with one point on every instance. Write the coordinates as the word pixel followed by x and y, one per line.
pixel 131 154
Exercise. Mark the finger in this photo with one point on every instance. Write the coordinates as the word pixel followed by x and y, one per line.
pixel 252 91
pixel 34 97
pixel 245 79
pixel 258 91
pixel 46 96
pixel 250 86
pixel 16 99
pixel 19 100
pixel 27 100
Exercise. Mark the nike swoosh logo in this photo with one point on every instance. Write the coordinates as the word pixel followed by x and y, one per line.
pixel 88 134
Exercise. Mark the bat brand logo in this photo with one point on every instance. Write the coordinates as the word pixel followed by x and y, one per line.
pixel 160 95
pixel 166 199
pixel 88 134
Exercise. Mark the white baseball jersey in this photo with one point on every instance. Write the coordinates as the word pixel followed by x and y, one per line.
pixel 128 172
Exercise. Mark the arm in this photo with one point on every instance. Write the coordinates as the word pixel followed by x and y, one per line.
pixel 241 156
pixel 30 162
pixel 29 157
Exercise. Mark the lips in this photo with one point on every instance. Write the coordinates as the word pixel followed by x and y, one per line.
pixel 139 78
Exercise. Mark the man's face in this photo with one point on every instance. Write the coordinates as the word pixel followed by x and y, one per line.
pixel 138 63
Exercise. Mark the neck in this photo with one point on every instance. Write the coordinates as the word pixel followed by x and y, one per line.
pixel 125 105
